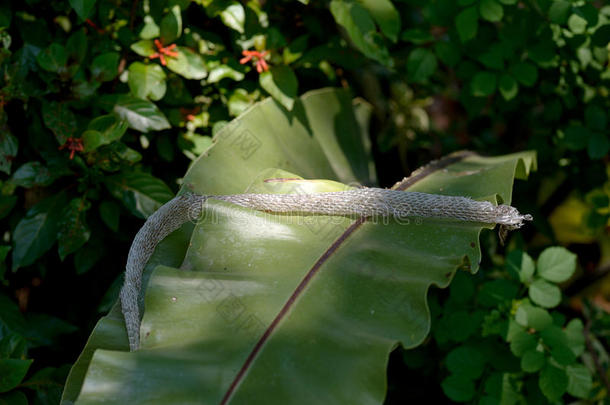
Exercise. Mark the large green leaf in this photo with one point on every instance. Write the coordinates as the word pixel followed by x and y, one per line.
pixel 279 309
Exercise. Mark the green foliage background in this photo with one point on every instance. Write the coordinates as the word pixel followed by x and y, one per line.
pixel 96 130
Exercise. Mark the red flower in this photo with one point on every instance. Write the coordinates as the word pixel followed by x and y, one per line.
pixel 74 145
pixel 261 63
pixel 163 51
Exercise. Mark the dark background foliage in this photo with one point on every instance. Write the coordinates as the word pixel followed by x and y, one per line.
pixel 104 103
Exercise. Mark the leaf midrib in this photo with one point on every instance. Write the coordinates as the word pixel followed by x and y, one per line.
pixel 301 287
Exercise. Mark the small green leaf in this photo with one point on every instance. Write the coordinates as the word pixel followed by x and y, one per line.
pixel 59 118
pixel 76 46
pixel 466 361
pixel 282 84
pixel 595 117
pixel 580 381
pixel 385 15
pixel 508 86
pixel 501 389
pixel 493 58
pixel 458 388
pixel 577 24
pixel 110 213
pixel 522 342
pixel 234 16
pixel 36 232
pixel 219 72
pixel 598 145
pixel 239 101
pixel 533 317
pixel 102 131
pixel 525 73
pixel 483 84
pixel 497 292
pixel 142 115
pixel 575 334
pixel 417 36
pixel 150 30
pixel 231 13
pixel 12 371
pixel 9 144
pixel 448 53
pixel 556 264
pixel 576 137
pixel 553 382
pixel 590 13
pixel 558 342
pixel 543 53
pixel 521 264
pixel 105 67
pixel 559 11
pixel 601 36
pixel 295 50
pixel 73 230
pixel 47 383
pixel 421 64
pixel 361 28
pixel 467 23
pixel 585 56
pixel 32 174
pixel 532 361
pixel 491 10
pixel 171 25
pixel 53 58
pixel 83 8
pixel 144 47
pixel 147 81
pixel 141 192
pixel 545 294
pixel 187 64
